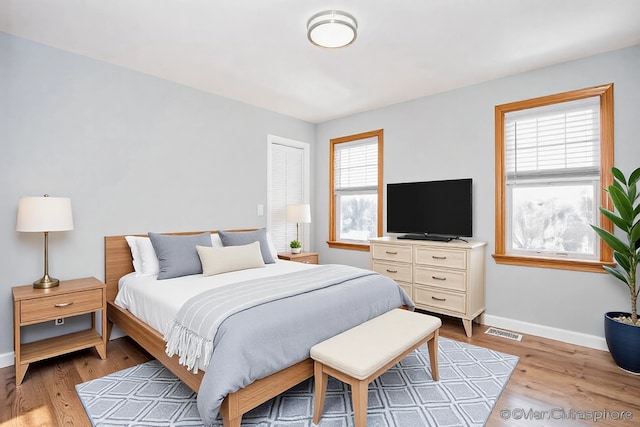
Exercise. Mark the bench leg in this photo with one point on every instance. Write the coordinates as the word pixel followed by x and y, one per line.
pixel 360 398
pixel 320 388
pixel 432 345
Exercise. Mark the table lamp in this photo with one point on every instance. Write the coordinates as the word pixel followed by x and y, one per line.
pixel 43 215
pixel 300 214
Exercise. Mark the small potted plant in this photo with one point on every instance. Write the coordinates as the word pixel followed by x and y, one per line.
pixel 296 247
pixel 621 329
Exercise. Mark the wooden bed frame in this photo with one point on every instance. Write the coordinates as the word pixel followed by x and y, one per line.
pixel 118 262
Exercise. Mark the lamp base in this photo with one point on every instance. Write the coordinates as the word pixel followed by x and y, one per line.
pixel 46 282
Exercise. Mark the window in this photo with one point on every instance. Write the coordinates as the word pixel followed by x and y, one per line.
pixel 355 181
pixel 553 160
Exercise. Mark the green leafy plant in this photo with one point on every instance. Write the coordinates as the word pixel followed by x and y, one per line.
pixel 624 195
pixel 295 244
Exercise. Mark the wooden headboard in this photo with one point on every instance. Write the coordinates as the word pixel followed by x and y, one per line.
pixel 118 260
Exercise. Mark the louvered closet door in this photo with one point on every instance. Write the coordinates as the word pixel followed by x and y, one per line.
pixel 287 179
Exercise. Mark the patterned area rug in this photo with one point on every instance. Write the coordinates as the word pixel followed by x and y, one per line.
pixel 471 380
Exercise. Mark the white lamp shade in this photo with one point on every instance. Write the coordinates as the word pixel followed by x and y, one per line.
pixel 299 213
pixel 40 214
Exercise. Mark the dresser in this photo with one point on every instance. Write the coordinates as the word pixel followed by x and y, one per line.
pixel 440 277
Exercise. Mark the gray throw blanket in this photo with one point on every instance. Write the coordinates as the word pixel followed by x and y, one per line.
pixel 192 333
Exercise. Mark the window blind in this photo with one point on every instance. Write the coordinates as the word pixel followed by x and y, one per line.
pixel 553 141
pixel 356 166
pixel 286 188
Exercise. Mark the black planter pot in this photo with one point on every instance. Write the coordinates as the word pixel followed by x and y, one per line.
pixel 623 341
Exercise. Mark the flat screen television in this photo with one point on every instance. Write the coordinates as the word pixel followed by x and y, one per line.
pixel 430 210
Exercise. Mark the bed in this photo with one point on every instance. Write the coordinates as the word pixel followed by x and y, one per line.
pixel 118 264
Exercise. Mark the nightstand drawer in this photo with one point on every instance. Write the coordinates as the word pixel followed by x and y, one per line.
pixel 303 257
pixel 398 272
pixel 59 306
pixel 308 259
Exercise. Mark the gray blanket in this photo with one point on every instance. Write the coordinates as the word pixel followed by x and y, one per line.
pixel 192 333
pixel 254 343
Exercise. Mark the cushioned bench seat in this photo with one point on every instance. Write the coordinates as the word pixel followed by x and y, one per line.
pixel 361 354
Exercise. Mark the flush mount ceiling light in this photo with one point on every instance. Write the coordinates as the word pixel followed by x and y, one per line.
pixel 332 29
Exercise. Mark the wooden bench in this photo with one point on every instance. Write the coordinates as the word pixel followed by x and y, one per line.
pixel 361 354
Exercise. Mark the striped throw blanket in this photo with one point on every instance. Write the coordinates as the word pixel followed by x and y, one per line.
pixel 192 333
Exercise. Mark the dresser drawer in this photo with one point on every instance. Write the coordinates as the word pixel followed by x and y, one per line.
pixel 392 252
pixel 449 301
pixel 450 258
pixel 449 279
pixel 59 306
pixel 398 272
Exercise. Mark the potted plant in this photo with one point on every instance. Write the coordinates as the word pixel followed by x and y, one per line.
pixel 622 330
pixel 296 247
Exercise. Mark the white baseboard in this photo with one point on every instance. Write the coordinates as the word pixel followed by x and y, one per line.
pixel 577 338
pixel 7 359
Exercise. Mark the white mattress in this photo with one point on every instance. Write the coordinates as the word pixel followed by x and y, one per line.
pixel 156 302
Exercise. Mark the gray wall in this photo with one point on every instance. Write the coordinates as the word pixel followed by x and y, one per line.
pixel 133 152
pixel 451 135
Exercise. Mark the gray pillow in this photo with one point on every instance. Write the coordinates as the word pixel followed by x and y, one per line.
pixel 177 254
pixel 237 238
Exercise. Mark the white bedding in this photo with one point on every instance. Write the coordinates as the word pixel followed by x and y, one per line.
pixel 156 302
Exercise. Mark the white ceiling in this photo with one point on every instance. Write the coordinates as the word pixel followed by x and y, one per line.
pixel 256 51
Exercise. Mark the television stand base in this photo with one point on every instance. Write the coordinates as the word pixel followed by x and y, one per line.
pixel 432 237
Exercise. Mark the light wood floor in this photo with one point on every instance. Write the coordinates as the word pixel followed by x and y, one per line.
pixel 551 377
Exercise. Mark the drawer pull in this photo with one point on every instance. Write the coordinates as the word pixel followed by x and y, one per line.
pixel 438 278
pixel 439 299
pixel 64 304
pixel 438 257
pixel 391 252
pixel 391 271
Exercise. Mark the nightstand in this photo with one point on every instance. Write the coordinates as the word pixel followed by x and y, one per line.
pixel 70 298
pixel 304 257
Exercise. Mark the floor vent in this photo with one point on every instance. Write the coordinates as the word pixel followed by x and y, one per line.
pixel 504 334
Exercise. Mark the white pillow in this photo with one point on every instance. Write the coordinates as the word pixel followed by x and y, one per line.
pixel 150 264
pixel 135 253
pixel 229 258
pixel 272 247
pixel 215 241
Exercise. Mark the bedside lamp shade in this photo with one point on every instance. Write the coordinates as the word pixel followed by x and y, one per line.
pixel 42 215
pixel 299 213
